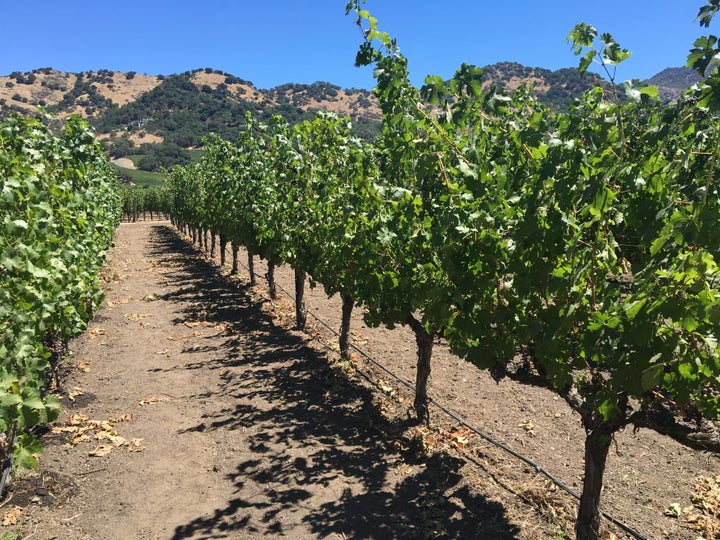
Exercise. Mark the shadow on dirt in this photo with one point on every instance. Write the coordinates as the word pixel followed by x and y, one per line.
pixel 319 455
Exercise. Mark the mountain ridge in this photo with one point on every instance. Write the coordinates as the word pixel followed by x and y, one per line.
pixel 72 92
pixel 134 112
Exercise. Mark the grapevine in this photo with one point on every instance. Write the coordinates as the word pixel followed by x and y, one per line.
pixel 576 252
pixel 60 206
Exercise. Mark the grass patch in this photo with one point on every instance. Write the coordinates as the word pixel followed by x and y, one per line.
pixel 143 178
pixel 135 158
pixel 197 153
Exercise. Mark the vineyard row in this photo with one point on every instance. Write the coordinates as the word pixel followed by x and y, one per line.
pixel 59 205
pixel 577 252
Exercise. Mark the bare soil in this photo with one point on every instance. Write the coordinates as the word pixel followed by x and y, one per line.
pixel 125 163
pixel 192 408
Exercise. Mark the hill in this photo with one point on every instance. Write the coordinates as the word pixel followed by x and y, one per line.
pixel 556 89
pixel 155 119
pixel 128 101
pixel 672 82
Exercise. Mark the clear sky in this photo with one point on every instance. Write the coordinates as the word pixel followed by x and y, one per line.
pixel 279 41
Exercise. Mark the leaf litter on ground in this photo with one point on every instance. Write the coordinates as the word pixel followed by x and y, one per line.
pixel 82 429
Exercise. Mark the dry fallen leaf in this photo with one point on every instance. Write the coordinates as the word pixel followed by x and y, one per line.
pixel 10 517
pixel 112 303
pixel 148 401
pixel 119 441
pixel 102 450
pixel 135 316
pixel 461 442
pixel 64 429
pixel 80 438
pixel 528 426
pixel 85 430
pixel 461 437
pixel 75 393
pixel 192 334
pixel 135 445
pixel 124 418
pixel 105 434
pixel 703 516
pixel 77 419
pixel 382 385
pixel 95 332
pixel 84 366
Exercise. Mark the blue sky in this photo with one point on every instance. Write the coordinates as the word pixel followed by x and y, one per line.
pixel 277 41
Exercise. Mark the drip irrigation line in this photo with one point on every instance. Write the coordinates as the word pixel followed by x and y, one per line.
pixel 486 436
pixel 489 438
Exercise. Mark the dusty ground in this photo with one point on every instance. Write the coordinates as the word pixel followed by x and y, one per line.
pixel 198 412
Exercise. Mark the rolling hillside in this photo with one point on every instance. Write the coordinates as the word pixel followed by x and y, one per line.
pixel 156 119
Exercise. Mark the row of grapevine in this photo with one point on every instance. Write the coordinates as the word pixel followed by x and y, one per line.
pixel 59 208
pixel 577 252
pixel 141 201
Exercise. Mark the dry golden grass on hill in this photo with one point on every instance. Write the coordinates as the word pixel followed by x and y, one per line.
pixel 48 87
pixel 513 83
pixel 143 138
pixel 213 80
pixel 125 90
pixel 77 93
pixel 344 103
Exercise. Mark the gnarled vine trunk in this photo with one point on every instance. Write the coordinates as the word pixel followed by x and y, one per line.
pixel 598 437
pixel 300 310
pixel 597 444
pixel 272 287
pixel 347 306
pixel 424 341
pixel 251 268
pixel 223 245
pixel 234 268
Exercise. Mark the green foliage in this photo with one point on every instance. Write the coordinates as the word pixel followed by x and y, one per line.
pixel 177 104
pixel 556 89
pixel 136 200
pixel 163 156
pixel 583 38
pixel 120 146
pixel 139 178
pixel 703 58
pixel 576 251
pixel 500 222
pixel 184 113
pixel 708 12
pixel 59 205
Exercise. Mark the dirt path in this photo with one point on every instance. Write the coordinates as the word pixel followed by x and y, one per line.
pixel 197 412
